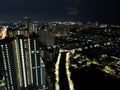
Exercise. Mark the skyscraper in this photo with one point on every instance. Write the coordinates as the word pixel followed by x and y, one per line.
pixel 21 60
pixel 8 61
pixel 23 65
pixel 37 65
pixel 28 23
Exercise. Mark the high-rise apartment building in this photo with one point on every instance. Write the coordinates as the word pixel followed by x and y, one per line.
pixel 47 37
pixel 23 65
pixel 28 23
pixel 8 62
pixel 37 65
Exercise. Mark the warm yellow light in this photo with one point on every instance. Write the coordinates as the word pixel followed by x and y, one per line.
pixel 3 32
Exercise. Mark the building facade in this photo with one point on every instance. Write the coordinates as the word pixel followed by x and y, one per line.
pixel 24 68
pixel 8 62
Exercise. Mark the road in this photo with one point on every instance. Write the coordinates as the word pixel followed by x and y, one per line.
pixel 62 73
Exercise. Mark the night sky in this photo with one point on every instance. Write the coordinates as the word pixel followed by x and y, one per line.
pixel 104 11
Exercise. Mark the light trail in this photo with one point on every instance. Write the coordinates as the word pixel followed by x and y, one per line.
pixel 57 86
pixel 71 85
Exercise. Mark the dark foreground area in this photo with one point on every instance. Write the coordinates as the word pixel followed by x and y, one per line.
pixel 93 79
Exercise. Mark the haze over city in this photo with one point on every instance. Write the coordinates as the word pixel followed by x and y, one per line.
pixel 104 11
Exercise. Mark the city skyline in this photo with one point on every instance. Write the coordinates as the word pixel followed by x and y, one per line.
pixel 59 55
pixel 105 11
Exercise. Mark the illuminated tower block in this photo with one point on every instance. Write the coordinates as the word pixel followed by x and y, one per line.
pixel 23 65
pixel 38 73
pixel 8 60
pixel 21 60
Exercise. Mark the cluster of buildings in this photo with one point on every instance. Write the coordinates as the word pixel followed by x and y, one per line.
pixel 21 64
pixel 27 48
pixel 98 46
